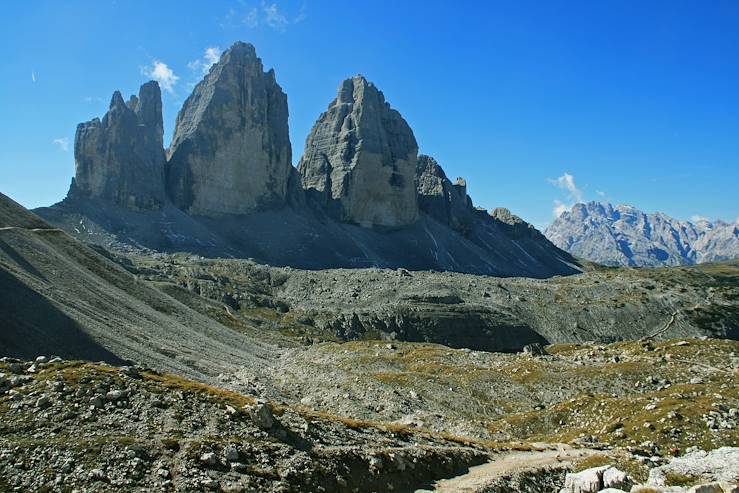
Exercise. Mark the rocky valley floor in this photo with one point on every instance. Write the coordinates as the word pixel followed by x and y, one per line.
pixel 229 375
pixel 363 416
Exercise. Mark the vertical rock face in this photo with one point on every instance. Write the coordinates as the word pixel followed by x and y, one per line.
pixel 360 159
pixel 231 149
pixel 121 157
pixel 438 197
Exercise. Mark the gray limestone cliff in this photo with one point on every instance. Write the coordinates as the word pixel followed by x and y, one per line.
pixel 121 157
pixel 624 235
pixel 441 199
pixel 360 159
pixel 231 149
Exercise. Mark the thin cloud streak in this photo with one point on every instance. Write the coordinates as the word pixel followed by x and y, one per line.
pixel 62 142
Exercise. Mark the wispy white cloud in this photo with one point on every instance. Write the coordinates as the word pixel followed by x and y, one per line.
pixel 62 142
pixel 566 183
pixel 560 208
pixel 202 65
pixel 302 15
pixel 160 72
pixel 212 54
pixel 274 18
pixel 267 14
pixel 251 19
pixel 33 76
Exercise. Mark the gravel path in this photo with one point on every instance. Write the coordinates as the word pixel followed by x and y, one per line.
pixel 478 477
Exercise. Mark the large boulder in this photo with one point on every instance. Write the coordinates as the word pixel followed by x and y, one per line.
pixel 121 157
pixel 231 149
pixel 360 159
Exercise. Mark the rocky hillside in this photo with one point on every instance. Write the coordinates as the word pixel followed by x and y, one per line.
pixel 127 301
pixel 233 376
pixel 626 236
pixel 458 310
pixel 91 427
pixel 370 417
pixel 362 196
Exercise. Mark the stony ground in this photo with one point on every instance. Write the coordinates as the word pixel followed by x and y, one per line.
pixel 369 414
pixel 73 426
pixel 361 416
pixel 461 310
pixel 649 397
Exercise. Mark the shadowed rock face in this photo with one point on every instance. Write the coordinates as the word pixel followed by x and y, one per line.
pixel 231 150
pixel 121 158
pixel 441 199
pixel 360 159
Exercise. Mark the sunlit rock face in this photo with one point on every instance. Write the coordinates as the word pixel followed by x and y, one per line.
pixel 231 149
pixel 624 235
pixel 360 159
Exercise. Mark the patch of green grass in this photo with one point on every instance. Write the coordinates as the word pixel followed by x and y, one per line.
pixel 684 480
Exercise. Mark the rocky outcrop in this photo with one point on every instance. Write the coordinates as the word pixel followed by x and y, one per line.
pixel 228 188
pixel 624 235
pixel 231 149
pixel 121 158
pixel 441 199
pixel 360 159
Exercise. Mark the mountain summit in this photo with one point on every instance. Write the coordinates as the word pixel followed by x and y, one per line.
pixel 361 155
pixel 624 235
pixel 362 196
pixel 231 149
pixel 120 158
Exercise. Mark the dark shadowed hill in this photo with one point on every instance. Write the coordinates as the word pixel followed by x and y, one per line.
pixel 308 239
pixel 58 296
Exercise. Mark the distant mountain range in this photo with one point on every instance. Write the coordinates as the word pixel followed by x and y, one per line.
pixel 624 235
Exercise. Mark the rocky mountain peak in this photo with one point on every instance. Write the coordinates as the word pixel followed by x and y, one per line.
pixel 120 158
pixel 117 102
pixel 625 235
pixel 441 199
pixel 360 159
pixel 231 149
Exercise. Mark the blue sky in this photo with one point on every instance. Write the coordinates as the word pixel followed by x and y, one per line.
pixel 532 102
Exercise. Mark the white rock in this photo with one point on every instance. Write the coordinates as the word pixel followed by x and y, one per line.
pixel 209 459
pixel 730 488
pixel 721 464
pixel 587 481
pixel 114 395
pixel 261 415
pixel 614 478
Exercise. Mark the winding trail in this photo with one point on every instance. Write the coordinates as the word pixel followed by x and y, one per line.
pixel 503 465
